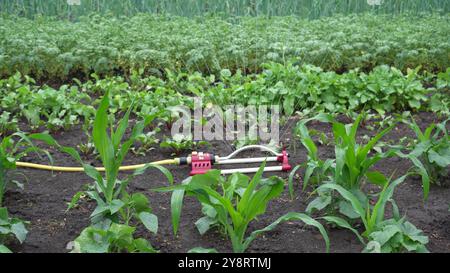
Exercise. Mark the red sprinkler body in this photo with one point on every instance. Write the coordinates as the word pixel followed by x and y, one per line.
pixel 284 160
pixel 201 163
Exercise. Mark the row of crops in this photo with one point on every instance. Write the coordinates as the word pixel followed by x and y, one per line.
pixel 311 9
pixel 53 49
pixel 116 81
pixel 304 89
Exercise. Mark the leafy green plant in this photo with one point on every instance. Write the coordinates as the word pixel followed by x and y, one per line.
pixel 202 250
pixel 396 236
pixel 10 227
pixel 443 80
pixel 239 143
pixel 146 141
pixel 440 100
pixel 8 124
pixel 389 89
pixel 86 148
pixel 42 106
pixel 110 239
pixel 234 213
pixel 180 143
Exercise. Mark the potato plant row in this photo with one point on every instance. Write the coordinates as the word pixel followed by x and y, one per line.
pixel 47 48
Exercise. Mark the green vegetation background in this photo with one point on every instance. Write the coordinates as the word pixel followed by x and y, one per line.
pixel 305 8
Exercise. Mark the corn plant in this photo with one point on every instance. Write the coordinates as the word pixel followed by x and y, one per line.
pixel 380 234
pixel 431 150
pixel 316 170
pixel 115 206
pixel 234 214
pixel 233 188
pixel 353 160
pixel 349 169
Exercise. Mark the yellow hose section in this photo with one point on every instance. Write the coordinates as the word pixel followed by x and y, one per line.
pixel 175 161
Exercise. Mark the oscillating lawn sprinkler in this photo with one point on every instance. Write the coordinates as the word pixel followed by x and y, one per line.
pixel 200 162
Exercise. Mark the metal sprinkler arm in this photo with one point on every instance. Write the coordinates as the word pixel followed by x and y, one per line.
pixel 251 147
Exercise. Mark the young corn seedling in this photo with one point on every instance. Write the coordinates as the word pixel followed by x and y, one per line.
pixel 233 188
pixel 115 206
pixel 431 151
pixel 349 169
pixel 235 213
pixel 316 170
pixel 383 235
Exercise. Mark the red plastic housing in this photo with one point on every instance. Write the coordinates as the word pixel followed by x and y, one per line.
pixel 200 163
pixel 284 160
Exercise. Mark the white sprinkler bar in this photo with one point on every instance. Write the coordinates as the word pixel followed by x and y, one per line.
pixel 252 170
pixel 246 160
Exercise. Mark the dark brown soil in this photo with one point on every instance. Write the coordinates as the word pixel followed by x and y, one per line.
pixel 44 200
